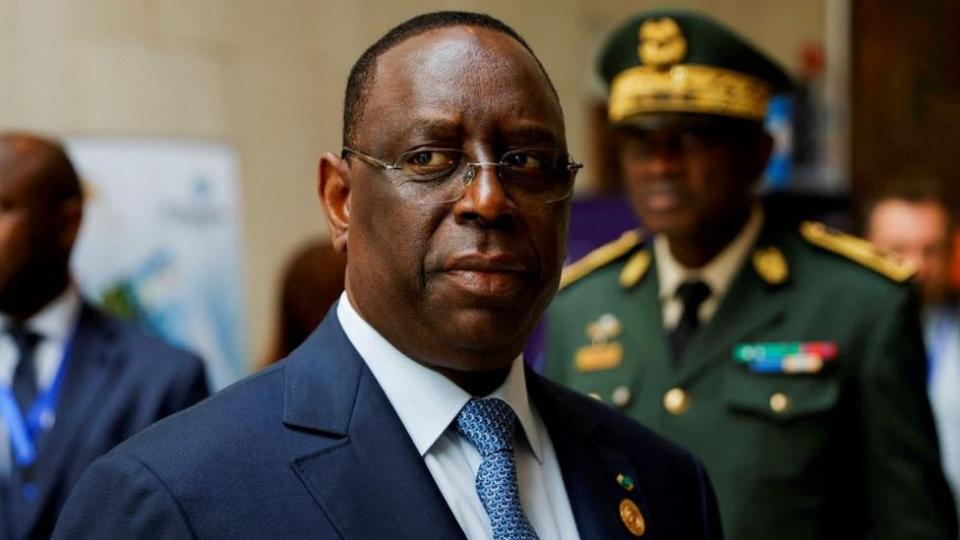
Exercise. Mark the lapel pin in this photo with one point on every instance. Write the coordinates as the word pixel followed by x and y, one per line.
pixel 625 481
pixel 632 517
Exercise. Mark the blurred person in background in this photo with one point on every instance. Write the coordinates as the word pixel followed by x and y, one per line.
pixel 73 382
pixel 911 217
pixel 311 282
pixel 787 356
pixel 409 412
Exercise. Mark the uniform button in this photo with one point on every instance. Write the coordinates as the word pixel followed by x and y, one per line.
pixel 779 402
pixel 676 401
pixel 620 396
pixel 595 396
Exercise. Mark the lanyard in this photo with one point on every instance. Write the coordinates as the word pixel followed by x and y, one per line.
pixel 24 432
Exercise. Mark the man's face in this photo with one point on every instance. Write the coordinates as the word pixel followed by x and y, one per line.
pixel 684 172
pixel 919 233
pixel 30 235
pixel 458 286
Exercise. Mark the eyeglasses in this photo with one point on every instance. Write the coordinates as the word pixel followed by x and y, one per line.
pixel 441 175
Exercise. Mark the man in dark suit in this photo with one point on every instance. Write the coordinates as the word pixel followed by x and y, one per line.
pixel 787 356
pixel 409 413
pixel 73 382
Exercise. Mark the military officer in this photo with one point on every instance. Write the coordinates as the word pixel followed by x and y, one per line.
pixel 787 356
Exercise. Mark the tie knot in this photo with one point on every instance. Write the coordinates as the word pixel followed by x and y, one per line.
pixel 488 424
pixel 24 338
pixel 693 293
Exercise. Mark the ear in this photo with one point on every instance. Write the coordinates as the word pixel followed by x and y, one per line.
pixel 755 162
pixel 71 214
pixel 333 187
pixel 764 150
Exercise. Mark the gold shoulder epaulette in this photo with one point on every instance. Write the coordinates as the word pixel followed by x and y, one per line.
pixel 599 257
pixel 857 250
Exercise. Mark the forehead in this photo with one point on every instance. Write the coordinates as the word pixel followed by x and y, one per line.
pixel 896 212
pixel 467 77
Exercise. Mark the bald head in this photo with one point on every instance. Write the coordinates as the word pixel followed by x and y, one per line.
pixel 42 163
pixel 40 212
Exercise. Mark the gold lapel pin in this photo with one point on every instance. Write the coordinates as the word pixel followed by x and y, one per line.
pixel 632 517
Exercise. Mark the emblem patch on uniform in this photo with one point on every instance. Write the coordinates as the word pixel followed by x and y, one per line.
pixel 770 263
pixel 603 352
pixel 786 357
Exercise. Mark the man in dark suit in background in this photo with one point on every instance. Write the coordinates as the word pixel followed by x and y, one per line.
pixel 409 412
pixel 73 382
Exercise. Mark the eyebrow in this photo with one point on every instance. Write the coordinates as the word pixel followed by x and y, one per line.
pixel 534 134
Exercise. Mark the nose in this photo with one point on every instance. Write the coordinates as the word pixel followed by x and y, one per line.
pixel 485 202
pixel 664 161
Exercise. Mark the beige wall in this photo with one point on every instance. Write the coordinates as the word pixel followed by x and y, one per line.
pixel 267 77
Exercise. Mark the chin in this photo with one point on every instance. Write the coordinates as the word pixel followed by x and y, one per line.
pixel 491 333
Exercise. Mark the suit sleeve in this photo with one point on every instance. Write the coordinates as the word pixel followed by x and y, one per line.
pixel 120 497
pixel 188 387
pixel 709 511
pixel 908 495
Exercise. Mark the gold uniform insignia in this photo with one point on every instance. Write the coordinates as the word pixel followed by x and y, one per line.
pixel 661 43
pixel 635 268
pixel 770 263
pixel 857 250
pixel 600 257
pixel 602 353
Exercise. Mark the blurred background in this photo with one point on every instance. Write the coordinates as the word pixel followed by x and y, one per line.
pixel 197 126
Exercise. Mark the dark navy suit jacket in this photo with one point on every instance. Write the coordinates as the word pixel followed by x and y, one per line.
pixel 118 381
pixel 311 448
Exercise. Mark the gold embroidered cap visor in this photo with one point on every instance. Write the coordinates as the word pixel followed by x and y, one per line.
pixel 683 62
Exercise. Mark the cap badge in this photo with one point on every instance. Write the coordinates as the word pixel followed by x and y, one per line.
pixel 661 43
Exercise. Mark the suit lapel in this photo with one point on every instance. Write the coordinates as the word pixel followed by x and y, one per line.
pixel 589 468
pixel 88 369
pixel 371 482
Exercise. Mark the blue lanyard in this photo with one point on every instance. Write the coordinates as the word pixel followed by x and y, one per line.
pixel 24 432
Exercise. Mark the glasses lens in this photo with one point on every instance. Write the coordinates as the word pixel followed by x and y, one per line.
pixel 429 164
pixel 537 174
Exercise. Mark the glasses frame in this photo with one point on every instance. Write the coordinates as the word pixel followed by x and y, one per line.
pixel 470 168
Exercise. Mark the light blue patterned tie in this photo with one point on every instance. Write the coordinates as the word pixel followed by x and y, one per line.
pixel 489 424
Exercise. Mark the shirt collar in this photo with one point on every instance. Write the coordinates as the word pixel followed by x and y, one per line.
pixel 426 401
pixel 719 272
pixel 56 320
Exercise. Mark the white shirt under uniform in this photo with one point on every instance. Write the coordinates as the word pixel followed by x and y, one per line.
pixel 428 403
pixel 54 325
pixel 718 274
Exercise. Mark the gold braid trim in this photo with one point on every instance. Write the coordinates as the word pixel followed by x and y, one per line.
pixel 857 250
pixel 599 257
pixel 688 88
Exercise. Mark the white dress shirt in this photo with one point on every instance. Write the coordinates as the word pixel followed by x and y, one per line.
pixel 942 337
pixel 718 274
pixel 428 403
pixel 54 325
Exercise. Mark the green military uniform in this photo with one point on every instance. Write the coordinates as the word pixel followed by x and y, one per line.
pixel 804 394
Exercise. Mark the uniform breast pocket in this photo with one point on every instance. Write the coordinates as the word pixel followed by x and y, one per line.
pixel 780 426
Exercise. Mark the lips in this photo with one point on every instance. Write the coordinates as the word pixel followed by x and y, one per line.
pixel 662 196
pixel 486 274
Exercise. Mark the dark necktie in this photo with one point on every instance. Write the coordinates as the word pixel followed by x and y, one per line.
pixel 24 376
pixel 692 294
pixel 489 425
